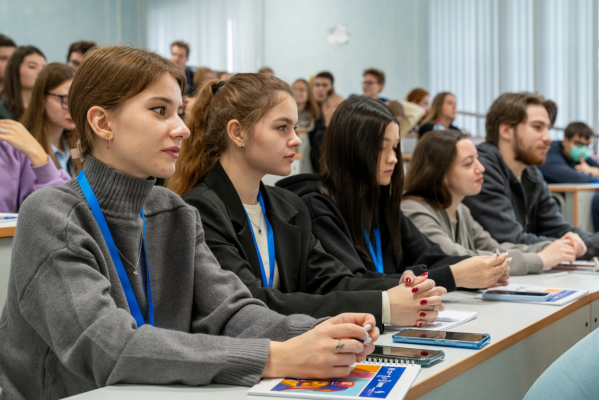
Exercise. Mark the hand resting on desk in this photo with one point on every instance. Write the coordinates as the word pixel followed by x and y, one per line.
pixel 317 355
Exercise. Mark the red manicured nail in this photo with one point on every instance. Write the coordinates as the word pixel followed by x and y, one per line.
pixel 425 274
pixel 423 301
pixel 419 324
pixel 414 289
pixel 408 280
pixel 422 314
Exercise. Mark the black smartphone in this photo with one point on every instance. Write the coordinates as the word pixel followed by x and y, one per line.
pixel 402 354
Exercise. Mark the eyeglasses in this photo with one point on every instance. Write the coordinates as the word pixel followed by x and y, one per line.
pixel 64 99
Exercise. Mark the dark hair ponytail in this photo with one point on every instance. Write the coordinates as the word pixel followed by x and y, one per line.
pixel 245 98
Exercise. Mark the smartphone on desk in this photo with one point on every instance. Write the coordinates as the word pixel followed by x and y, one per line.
pixel 510 295
pixel 402 354
pixel 442 338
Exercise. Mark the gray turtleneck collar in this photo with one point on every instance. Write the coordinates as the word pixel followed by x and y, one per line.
pixel 119 195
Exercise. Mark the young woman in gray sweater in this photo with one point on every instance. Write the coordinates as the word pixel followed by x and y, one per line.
pixel 111 278
pixel 444 170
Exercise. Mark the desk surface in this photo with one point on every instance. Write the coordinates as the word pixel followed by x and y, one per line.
pixel 7 231
pixel 573 187
pixel 507 323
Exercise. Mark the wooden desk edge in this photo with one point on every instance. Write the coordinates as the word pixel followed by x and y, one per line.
pixel 431 383
pixel 572 189
pixel 7 231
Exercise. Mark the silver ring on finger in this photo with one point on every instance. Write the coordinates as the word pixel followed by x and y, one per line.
pixel 433 309
pixel 2 130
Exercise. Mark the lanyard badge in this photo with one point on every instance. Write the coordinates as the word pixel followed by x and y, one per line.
pixel 114 254
pixel 377 257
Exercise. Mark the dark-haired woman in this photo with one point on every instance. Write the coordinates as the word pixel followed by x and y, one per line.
pixel 441 115
pixel 22 70
pixel 355 207
pixel 241 130
pixel 443 171
pixel 111 279
pixel 48 118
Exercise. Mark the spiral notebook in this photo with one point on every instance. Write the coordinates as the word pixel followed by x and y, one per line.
pixel 368 380
pixel 445 321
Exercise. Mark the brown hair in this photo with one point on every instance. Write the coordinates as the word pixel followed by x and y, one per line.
pixel 436 107
pixel 377 73
pixel 245 98
pixel 11 95
pixel 265 70
pixel 35 119
pixel 396 108
pixel 578 128
pixel 510 108
pixel 182 44
pixel 198 76
pixel 351 150
pixel 108 77
pixel 416 95
pixel 312 105
pixel 431 160
pixel 82 46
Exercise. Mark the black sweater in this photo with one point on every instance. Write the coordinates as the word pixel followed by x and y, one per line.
pixel 418 253
pixel 312 281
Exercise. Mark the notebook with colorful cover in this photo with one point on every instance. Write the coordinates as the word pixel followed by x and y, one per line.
pixel 445 321
pixel 559 296
pixel 367 380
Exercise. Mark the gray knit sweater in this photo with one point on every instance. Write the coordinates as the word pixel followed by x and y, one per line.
pixel 66 326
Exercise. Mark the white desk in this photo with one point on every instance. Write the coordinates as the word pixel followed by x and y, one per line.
pixel 526 339
pixel 576 201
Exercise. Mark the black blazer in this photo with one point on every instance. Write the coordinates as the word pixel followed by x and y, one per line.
pixel 312 281
pixel 328 225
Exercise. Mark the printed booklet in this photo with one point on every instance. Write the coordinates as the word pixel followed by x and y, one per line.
pixel 366 381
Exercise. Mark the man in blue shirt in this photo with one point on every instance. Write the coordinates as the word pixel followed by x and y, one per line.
pixel 570 161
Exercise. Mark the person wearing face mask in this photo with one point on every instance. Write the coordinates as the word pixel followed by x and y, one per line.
pixel 22 70
pixel 514 190
pixel 355 210
pixel 444 170
pixel 571 161
pixel 442 113
pixel 48 118
pixel 111 278
pixel 241 130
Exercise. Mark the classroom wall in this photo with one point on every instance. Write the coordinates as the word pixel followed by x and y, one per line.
pixel 389 35
pixel 52 25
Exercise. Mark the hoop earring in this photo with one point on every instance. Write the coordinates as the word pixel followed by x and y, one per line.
pixel 108 143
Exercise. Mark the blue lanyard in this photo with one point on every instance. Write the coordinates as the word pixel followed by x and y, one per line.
pixel 271 244
pixel 116 258
pixel 377 257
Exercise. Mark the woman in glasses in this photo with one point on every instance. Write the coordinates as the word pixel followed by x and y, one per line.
pixel 36 154
pixel 48 118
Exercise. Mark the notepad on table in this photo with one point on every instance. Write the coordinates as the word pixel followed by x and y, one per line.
pixel 7 219
pixel 367 380
pixel 446 320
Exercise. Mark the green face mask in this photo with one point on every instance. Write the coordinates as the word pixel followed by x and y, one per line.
pixel 580 151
